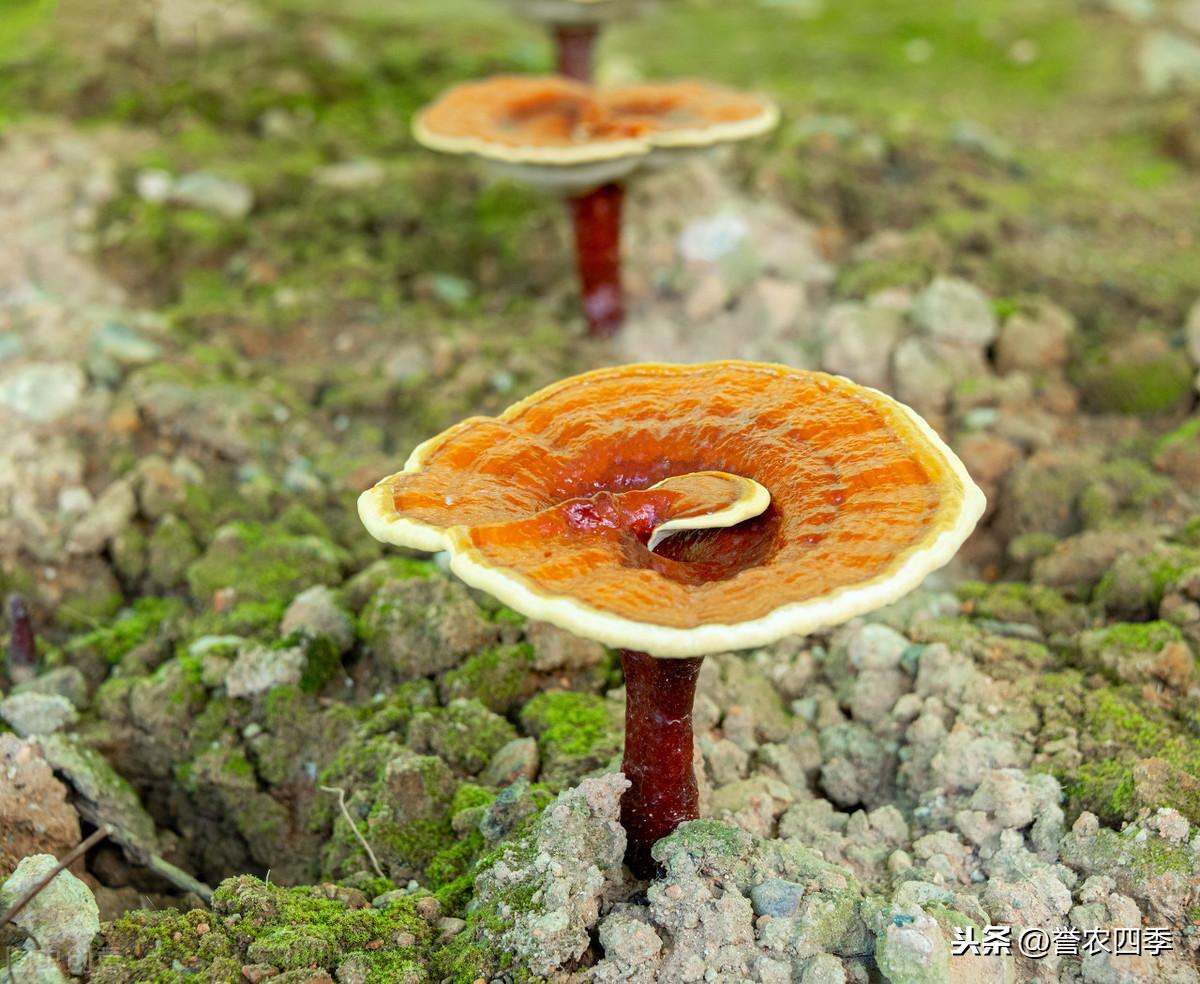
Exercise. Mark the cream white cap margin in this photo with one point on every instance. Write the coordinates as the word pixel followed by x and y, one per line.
pixel 513 589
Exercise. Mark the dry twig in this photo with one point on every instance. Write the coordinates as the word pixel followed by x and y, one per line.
pixel 78 851
pixel 341 795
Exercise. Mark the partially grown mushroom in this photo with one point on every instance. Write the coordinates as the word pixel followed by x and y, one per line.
pixel 575 25
pixel 583 142
pixel 674 511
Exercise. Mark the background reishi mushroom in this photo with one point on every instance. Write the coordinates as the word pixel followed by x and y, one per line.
pixel 571 138
pixel 824 500
pixel 575 25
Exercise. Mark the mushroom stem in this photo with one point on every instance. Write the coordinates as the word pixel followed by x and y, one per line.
pixel 575 44
pixel 658 753
pixel 597 218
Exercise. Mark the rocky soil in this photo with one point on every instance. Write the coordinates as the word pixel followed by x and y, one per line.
pixel 226 308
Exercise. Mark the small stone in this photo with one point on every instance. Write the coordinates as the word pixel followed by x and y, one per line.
pixel 712 238
pixel 1038 340
pixel 956 312
pixel 43 391
pixel 37 714
pixel 858 340
pixel 355 175
pixel 257 973
pixel 1168 61
pixel 513 760
pixel 777 898
pixel 872 646
pixel 555 649
pixel 66 681
pixel 258 669
pixel 1192 334
pixel 63 917
pixel 212 193
pixel 154 185
pixel 116 347
pixel 33 967
pixel 111 514
pixel 449 927
pixel 315 612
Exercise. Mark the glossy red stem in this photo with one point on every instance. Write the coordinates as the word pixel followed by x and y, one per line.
pixel 597 218
pixel 658 753
pixel 575 46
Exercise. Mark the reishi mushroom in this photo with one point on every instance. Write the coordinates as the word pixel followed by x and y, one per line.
pixel 674 511
pixel 572 138
pixel 575 25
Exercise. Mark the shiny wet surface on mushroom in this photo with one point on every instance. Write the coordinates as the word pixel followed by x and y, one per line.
pixel 854 487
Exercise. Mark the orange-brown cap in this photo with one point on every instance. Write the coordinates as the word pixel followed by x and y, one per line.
pixel 689 114
pixel 554 131
pixel 791 500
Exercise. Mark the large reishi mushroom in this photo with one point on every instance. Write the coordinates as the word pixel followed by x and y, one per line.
pixel 674 511
pixel 569 137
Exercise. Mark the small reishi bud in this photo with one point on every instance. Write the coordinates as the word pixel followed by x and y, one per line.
pixel 22 646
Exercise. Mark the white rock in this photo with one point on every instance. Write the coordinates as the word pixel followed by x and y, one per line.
pixel 63 917
pixel 31 713
pixel 258 669
pixel 43 391
pixel 955 311
pixel 1191 334
pixel 111 514
pixel 351 175
pixel 1168 61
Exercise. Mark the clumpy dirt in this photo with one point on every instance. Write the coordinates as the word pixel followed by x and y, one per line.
pixel 234 293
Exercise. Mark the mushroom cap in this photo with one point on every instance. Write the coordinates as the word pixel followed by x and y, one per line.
pixel 552 505
pixel 558 133
pixel 572 13
pixel 689 113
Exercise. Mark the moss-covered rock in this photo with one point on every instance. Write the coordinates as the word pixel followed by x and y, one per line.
pixel 1142 375
pixel 170 551
pixel 1114 752
pixel 263 563
pixel 422 625
pixel 1139 652
pixel 1135 583
pixel 280 930
pixel 464 734
pixel 1028 604
pixel 499 677
pixel 576 733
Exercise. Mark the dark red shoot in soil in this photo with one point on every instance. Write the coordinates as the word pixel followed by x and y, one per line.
pixel 22 647
pixel 658 752
pixel 597 217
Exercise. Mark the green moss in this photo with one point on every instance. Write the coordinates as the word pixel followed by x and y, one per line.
pixel 468 796
pixel 464 733
pixel 1031 604
pixel 142 620
pixel 1186 434
pixel 1144 636
pixel 299 928
pixel 495 676
pixel 1149 385
pixel 263 563
pixel 568 723
pixel 322 663
pixel 1118 733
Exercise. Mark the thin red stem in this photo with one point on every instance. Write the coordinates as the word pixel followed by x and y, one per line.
pixel 575 44
pixel 597 219
pixel 658 752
